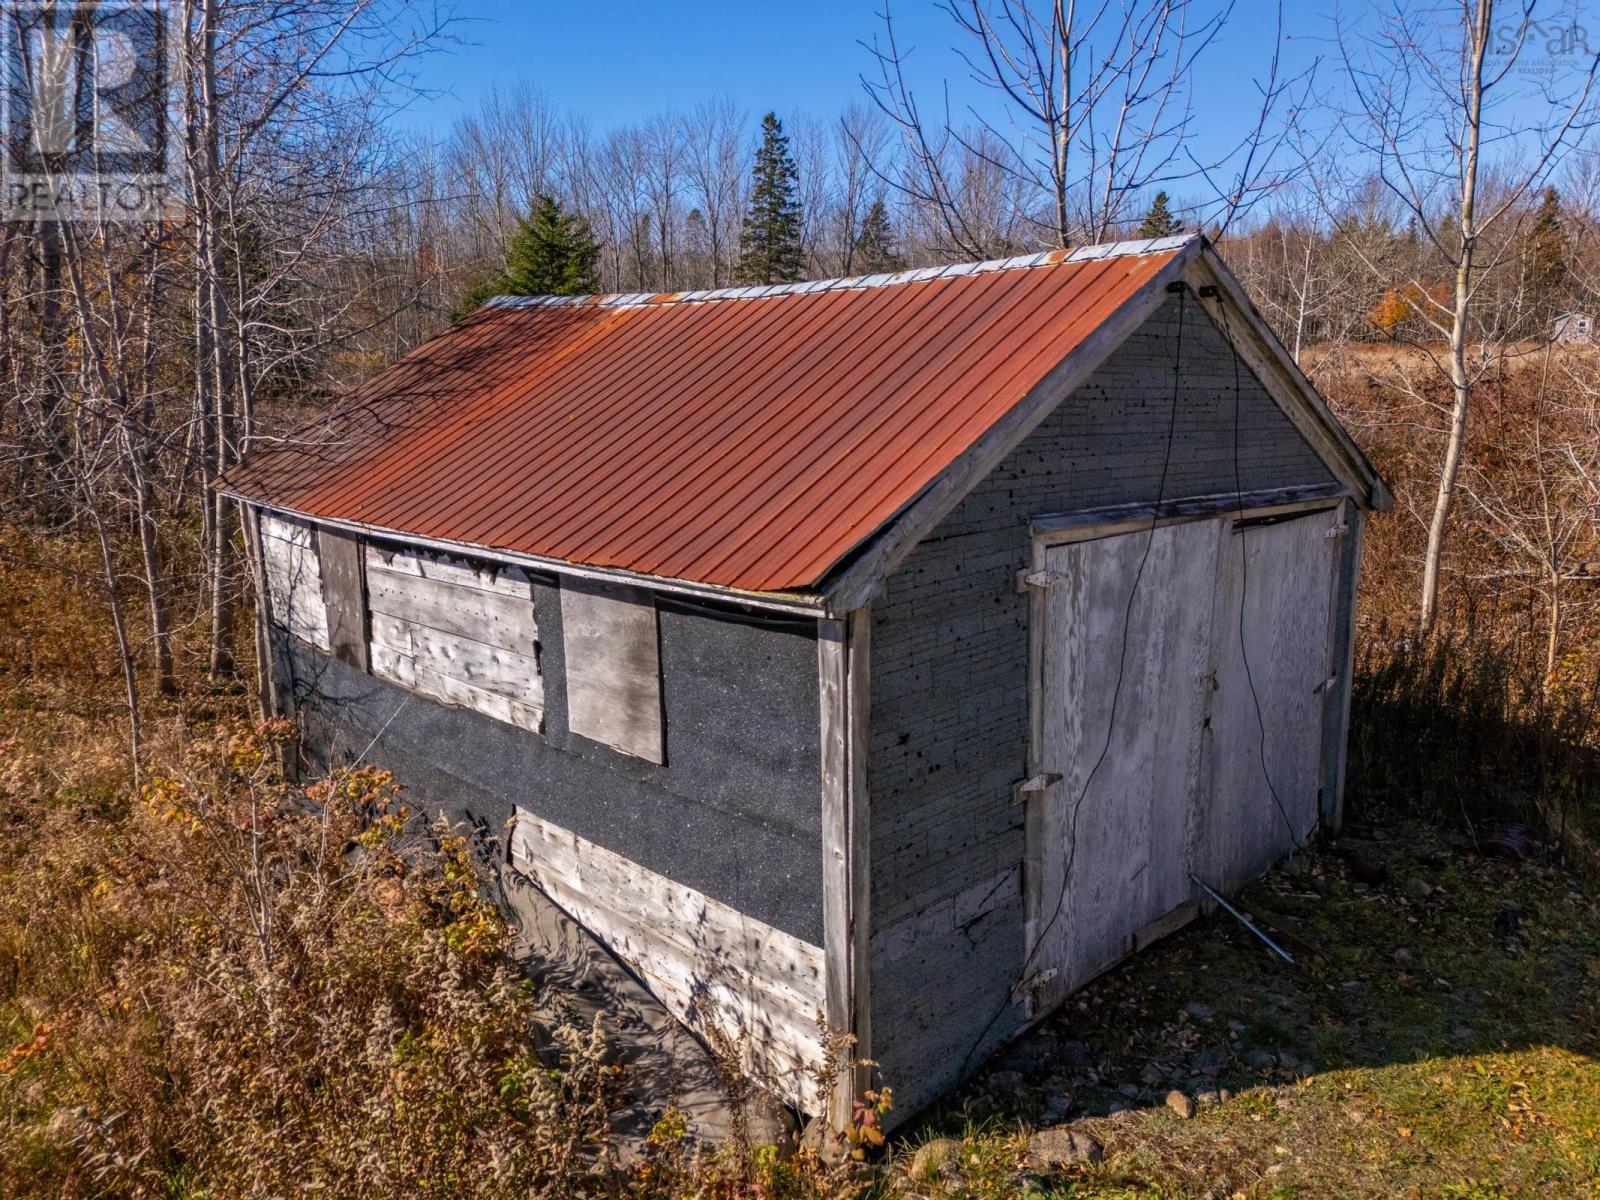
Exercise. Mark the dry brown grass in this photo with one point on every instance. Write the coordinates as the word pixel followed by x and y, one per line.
pixel 227 985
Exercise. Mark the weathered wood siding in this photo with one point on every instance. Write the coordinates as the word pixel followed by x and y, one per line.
pixel 1336 714
pixel 950 713
pixel 1277 584
pixel 457 631
pixel 613 666
pixel 717 969
pixel 732 813
pixel 1123 811
pixel 340 556
pixel 294 579
pixel 1213 764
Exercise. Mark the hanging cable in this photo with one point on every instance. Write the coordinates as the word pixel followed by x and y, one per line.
pixel 1116 694
pixel 1243 532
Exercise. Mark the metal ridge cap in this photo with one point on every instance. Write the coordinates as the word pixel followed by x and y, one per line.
pixel 1047 258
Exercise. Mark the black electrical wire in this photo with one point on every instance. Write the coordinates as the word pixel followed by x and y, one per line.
pixel 1244 589
pixel 1116 695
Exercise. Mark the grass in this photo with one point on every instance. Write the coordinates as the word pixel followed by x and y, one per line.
pixel 1449 1043
pixel 1463 1068
pixel 224 984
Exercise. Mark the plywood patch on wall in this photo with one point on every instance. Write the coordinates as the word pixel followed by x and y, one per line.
pixel 294 579
pixel 613 666
pixel 344 595
pixel 716 969
pixel 457 632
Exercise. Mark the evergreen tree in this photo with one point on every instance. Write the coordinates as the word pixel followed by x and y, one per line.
pixel 875 252
pixel 769 246
pixel 1546 264
pixel 552 253
pixel 1159 221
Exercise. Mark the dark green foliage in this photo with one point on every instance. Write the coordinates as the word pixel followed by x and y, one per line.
pixel 552 253
pixel 769 247
pixel 1545 264
pixel 1159 221
pixel 875 250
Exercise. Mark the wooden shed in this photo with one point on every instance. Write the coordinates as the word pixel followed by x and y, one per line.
pixel 897 651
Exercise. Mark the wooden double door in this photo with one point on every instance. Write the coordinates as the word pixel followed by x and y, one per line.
pixel 1179 680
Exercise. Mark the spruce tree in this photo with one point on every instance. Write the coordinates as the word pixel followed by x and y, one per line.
pixel 552 253
pixel 1159 221
pixel 769 246
pixel 1545 255
pixel 875 252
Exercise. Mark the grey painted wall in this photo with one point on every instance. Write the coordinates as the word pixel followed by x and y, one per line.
pixel 734 812
pixel 949 716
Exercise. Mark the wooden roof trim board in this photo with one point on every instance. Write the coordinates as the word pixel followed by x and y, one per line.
pixel 1281 375
pixel 837 552
pixel 1272 364
pixel 798 603
pixel 862 579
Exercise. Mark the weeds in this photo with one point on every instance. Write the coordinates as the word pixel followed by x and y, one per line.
pixel 1473 737
pixel 227 985
pixel 238 981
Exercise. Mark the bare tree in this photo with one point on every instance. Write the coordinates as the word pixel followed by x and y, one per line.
pixel 717 165
pixel 861 139
pixel 665 181
pixel 1096 107
pixel 1428 103
pixel 1306 283
pixel 1539 506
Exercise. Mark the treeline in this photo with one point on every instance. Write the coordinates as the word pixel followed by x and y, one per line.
pixel 1369 275
pixel 315 241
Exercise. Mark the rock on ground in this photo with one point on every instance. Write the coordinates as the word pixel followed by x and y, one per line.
pixel 932 1157
pixel 1063 1146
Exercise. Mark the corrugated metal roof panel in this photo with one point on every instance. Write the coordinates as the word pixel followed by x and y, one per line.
pixel 748 438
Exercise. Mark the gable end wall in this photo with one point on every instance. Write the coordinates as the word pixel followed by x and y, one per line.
pixel 949 707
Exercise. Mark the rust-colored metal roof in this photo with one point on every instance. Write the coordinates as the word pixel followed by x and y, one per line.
pixel 748 438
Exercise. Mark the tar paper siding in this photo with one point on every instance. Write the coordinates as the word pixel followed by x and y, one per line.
pixel 949 706
pixel 732 813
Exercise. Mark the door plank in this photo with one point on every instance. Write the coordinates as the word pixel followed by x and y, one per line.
pixel 1279 579
pixel 1113 836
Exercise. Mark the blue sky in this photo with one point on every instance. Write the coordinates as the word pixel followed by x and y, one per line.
pixel 623 60
pixel 619 61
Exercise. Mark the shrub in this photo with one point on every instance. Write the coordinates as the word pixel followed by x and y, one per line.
pixel 242 988
pixel 1473 734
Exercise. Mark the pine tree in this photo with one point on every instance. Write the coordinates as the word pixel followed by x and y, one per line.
pixel 552 253
pixel 1546 263
pixel 875 252
pixel 1159 221
pixel 769 246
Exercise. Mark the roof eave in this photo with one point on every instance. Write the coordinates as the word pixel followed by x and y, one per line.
pixel 794 602
pixel 877 555
pixel 1299 398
